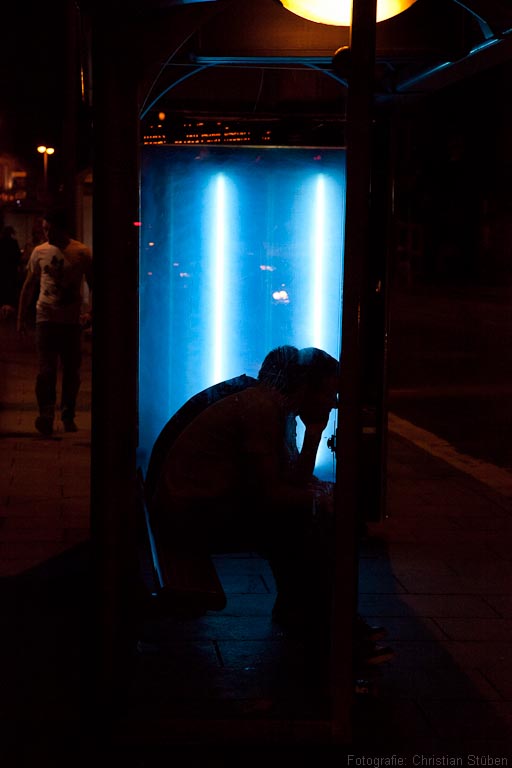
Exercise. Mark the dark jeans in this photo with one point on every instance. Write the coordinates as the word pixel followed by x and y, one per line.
pixel 298 549
pixel 54 341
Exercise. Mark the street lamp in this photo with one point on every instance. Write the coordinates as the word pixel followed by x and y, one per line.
pixel 45 151
pixel 339 12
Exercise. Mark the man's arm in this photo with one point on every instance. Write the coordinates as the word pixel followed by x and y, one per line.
pixel 265 445
pixel 306 460
pixel 88 271
pixel 26 296
pixel 86 314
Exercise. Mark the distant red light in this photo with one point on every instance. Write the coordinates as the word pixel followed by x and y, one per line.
pixel 137 223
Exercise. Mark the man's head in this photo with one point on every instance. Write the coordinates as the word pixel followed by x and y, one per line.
pixel 308 378
pixel 280 369
pixel 319 394
pixel 56 227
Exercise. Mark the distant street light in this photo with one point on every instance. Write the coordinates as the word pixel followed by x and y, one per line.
pixel 45 151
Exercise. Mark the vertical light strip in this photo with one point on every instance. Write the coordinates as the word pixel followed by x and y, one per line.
pixel 318 259
pixel 219 279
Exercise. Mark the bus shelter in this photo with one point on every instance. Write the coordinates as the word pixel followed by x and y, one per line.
pixel 243 199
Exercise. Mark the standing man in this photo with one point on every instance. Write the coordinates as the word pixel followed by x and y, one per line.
pixel 57 269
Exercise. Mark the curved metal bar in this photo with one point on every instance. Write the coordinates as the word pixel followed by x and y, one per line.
pixel 329 74
pixel 407 84
pixel 173 85
pixel 257 62
pixel 484 26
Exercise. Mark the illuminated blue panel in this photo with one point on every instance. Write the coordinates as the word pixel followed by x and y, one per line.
pixel 241 251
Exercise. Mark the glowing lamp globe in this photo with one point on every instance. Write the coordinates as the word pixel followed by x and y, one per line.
pixel 339 12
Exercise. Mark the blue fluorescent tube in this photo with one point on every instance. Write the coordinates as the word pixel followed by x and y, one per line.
pixel 318 254
pixel 219 278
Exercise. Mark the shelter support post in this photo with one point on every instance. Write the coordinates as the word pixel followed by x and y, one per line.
pixel 348 443
pixel 115 348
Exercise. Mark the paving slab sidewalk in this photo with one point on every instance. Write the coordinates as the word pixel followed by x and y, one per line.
pixel 437 573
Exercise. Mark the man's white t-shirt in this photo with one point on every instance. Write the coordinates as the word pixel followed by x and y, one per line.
pixel 60 274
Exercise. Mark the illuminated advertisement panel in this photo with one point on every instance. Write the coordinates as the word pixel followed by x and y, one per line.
pixel 241 251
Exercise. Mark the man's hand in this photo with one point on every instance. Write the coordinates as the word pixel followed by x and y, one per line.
pixel 86 320
pixel 323 493
pixel 6 311
pixel 314 418
pixel 315 429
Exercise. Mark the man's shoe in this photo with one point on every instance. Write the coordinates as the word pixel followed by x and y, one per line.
pixel 366 632
pixel 376 655
pixel 44 425
pixel 69 425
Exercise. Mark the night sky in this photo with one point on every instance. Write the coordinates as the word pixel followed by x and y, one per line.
pixel 32 73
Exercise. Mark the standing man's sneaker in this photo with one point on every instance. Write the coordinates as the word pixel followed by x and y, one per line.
pixel 365 631
pixel 44 425
pixel 369 654
pixel 378 655
pixel 69 425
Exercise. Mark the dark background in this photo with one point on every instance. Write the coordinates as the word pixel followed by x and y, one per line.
pixel 32 73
